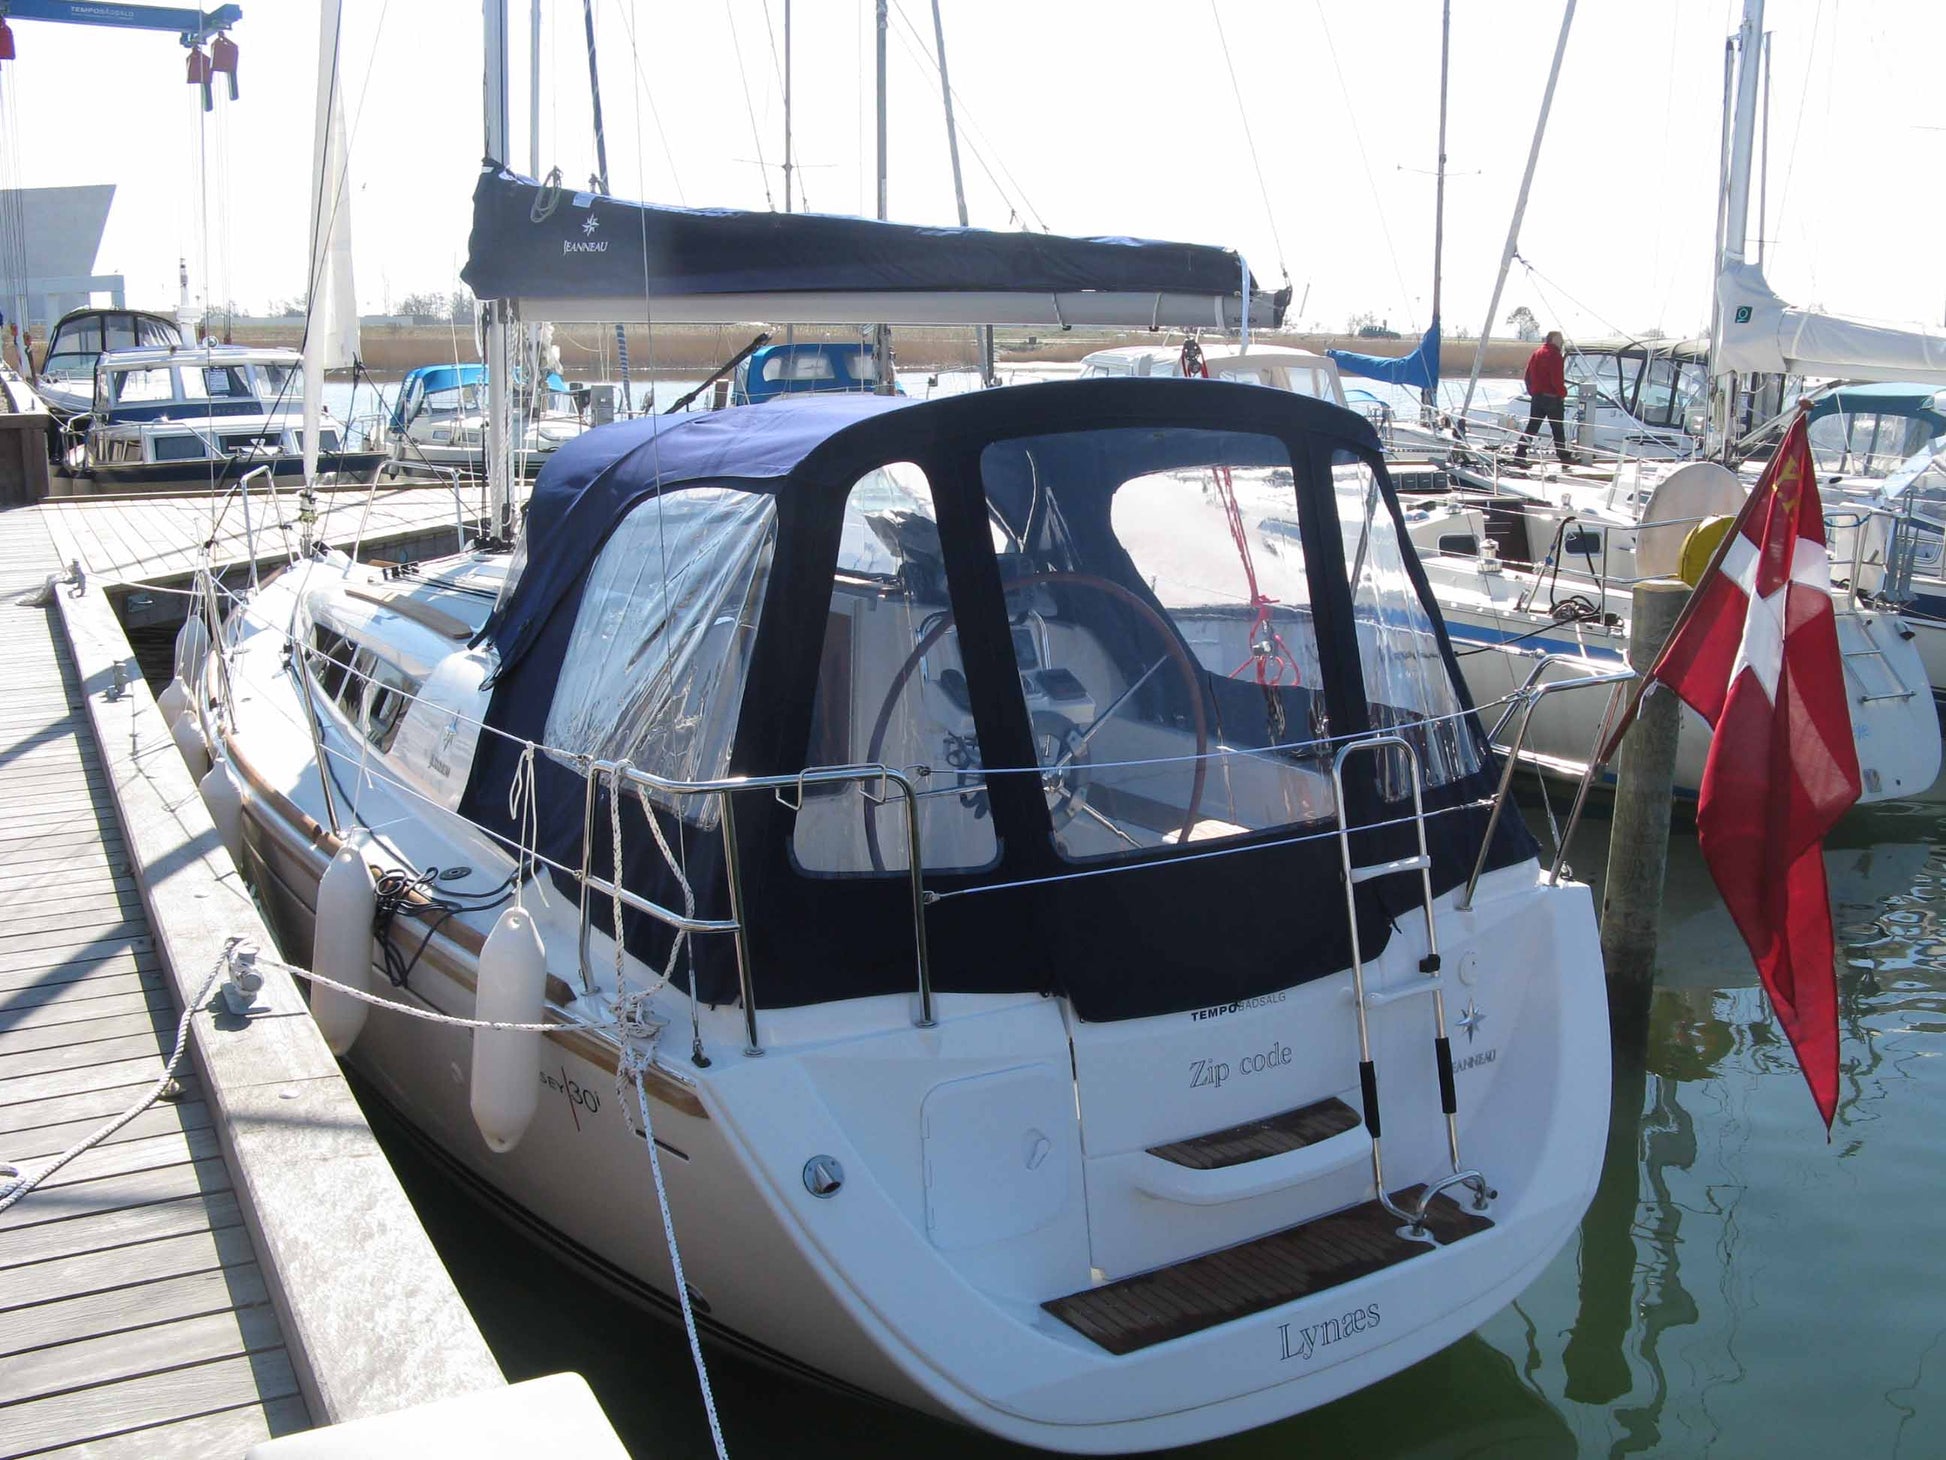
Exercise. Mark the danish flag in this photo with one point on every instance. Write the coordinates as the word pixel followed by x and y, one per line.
pixel 1756 654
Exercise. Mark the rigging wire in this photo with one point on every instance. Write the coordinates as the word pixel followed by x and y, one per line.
pixel 1256 163
pixel 750 109
pixel 645 95
pixel 1797 127
pixel 1358 140
pixel 1022 210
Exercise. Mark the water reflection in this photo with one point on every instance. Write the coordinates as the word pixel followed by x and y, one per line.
pixel 1739 1286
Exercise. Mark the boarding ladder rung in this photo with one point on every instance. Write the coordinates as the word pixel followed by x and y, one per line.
pixel 1865 696
pixel 1364 1002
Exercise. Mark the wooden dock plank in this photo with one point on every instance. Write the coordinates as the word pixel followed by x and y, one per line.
pixel 225 1432
pixel 153 1399
pixel 84 1362
pixel 162 1118
pixel 119 1229
pixel 123 1268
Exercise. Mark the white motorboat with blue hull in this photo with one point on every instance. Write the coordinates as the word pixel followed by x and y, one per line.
pixel 1028 1052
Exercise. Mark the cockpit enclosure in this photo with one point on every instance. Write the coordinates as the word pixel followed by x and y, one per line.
pixel 1113 632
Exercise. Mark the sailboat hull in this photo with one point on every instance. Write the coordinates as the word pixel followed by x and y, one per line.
pixel 857 1294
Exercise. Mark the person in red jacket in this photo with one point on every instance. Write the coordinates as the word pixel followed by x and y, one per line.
pixel 1547 388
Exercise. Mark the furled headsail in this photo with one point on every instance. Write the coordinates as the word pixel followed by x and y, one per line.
pixel 581 256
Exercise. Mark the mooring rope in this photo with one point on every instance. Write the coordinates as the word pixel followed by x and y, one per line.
pixel 17 1185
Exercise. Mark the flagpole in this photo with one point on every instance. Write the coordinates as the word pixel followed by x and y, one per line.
pixel 1765 483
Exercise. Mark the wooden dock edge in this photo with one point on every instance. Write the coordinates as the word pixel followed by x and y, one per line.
pixel 370 1315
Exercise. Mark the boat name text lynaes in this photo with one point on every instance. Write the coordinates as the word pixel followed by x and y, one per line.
pixel 1217 1011
pixel 1212 1073
pixel 1311 1337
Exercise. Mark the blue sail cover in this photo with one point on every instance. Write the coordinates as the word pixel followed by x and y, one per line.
pixel 1420 368
pixel 533 242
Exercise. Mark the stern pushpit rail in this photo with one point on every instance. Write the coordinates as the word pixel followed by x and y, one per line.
pixel 1413 1216
pixel 890 783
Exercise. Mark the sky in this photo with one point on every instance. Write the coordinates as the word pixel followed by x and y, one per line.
pixel 1302 132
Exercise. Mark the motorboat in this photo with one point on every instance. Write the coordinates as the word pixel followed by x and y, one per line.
pixel 199 419
pixel 1002 902
pixel 438 422
pixel 65 379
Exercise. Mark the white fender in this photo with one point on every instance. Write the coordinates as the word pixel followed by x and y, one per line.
pixel 341 948
pixel 188 736
pixel 224 799
pixel 173 701
pixel 192 649
pixel 507 1065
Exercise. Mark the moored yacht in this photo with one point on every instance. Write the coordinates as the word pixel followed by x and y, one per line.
pixel 438 423
pixel 201 418
pixel 1068 1125
pixel 65 378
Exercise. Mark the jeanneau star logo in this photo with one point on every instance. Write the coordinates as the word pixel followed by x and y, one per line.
pixel 588 228
pixel 1470 1019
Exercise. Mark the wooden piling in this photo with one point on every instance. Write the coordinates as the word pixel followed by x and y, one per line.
pixel 1638 840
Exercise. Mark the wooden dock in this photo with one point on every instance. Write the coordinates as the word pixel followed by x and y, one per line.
pixel 237 1263
pixel 133 1312
pixel 155 539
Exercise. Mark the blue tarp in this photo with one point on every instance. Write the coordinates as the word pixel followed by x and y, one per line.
pixel 1420 368
pixel 530 241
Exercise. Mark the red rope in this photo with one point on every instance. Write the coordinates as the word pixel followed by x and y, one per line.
pixel 1269 654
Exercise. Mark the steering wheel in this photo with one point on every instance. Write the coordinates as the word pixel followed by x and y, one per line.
pixel 1054 733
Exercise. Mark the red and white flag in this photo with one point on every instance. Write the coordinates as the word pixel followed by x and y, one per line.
pixel 1756 654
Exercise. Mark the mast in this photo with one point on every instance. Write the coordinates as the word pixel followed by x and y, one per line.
pixel 1431 397
pixel 1735 210
pixel 601 182
pixel 883 336
pixel 498 465
pixel 1736 220
pixel 985 332
pixel 1520 207
pixel 787 106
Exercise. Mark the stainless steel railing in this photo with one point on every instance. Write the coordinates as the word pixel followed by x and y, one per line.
pixel 1523 703
pixel 620 774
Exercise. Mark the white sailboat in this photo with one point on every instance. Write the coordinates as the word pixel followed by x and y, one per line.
pixel 971 882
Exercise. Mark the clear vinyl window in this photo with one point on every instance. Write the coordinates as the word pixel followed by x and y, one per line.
pixel 892 691
pixel 1162 635
pixel 1407 684
pixel 654 670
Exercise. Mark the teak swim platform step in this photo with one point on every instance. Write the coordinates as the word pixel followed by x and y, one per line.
pixel 1254 1140
pixel 1135 1313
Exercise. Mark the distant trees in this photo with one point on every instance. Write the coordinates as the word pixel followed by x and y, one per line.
pixel 457 306
pixel 1527 328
